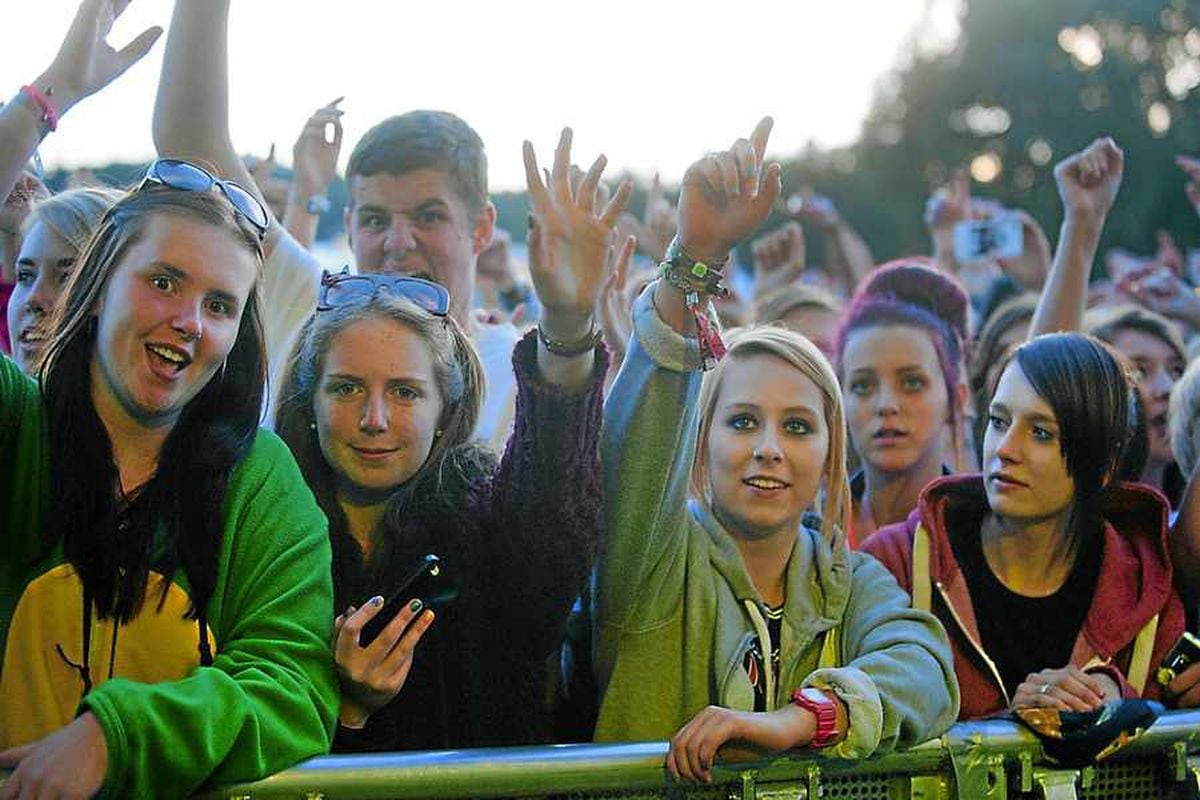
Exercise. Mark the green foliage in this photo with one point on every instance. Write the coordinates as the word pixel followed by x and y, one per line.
pixel 1029 82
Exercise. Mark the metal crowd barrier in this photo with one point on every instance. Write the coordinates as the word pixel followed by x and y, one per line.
pixel 992 760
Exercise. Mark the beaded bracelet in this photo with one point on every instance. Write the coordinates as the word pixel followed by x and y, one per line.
pixel 699 282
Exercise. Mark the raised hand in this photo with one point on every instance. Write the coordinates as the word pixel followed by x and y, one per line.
pixel 779 258
pixel 86 63
pixel 727 195
pixel 371 676
pixel 314 157
pixel 1031 267
pixel 1089 180
pixel 950 204
pixel 569 239
pixel 1161 290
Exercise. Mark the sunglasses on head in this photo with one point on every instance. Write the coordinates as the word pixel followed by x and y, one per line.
pixel 188 177
pixel 343 289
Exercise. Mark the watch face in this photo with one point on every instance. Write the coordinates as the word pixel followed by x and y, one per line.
pixel 816 696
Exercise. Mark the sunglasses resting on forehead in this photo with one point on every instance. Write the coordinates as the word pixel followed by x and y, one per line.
pixel 343 289
pixel 188 177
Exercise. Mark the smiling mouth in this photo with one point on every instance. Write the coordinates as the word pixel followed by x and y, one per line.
pixel 759 482
pixel 32 337
pixel 373 452
pixel 171 357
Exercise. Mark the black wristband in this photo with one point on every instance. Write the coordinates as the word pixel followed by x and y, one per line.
pixel 570 349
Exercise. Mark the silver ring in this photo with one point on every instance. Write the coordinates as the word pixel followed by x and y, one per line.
pixel 1045 688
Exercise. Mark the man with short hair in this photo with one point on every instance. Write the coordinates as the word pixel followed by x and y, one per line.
pixel 418 201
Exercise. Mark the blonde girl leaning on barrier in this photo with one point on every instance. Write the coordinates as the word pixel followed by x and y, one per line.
pixel 690 587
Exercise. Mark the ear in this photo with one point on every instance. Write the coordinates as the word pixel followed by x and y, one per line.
pixel 962 397
pixel 485 226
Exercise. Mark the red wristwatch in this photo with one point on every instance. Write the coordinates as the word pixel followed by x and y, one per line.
pixel 824 710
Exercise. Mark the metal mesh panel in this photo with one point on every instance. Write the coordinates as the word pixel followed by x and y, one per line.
pixel 858 787
pixel 1129 780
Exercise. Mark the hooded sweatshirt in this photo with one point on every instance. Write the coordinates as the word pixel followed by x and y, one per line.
pixel 269 698
pixel 676 612
pixel 1134 584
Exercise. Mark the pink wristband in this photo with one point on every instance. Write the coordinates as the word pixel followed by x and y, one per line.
pixel 42 101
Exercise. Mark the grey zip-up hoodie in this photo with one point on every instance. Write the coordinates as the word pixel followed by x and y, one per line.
pixel 676 610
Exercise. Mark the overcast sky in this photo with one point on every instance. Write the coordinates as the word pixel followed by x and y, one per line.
pixel 652 83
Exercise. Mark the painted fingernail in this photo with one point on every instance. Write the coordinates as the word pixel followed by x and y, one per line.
pixel 376 600
pixel 415 606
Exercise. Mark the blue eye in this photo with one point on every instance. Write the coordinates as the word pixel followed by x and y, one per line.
pixel 742 422
pixel 997 423
pixel 343 389
pixel 914 383
pixel 797 426
pixel 861 388
pixel 1042 434
pixel 406 392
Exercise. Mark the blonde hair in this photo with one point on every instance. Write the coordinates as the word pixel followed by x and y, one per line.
pixel 1181 419
pixel 803 355
pixel 783 301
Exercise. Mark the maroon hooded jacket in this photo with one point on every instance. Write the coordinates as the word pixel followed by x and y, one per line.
pixel 1134 584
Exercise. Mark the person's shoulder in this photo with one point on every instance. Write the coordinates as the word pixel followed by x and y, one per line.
pixel 890 540
pixel 267 461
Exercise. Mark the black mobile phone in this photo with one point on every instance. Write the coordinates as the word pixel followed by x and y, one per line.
pixel 427 582
pixel 1185 653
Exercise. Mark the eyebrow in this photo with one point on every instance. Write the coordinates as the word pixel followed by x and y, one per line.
pixel 1037 417
pixel 61 263
pixel 342 376
pixel 801 409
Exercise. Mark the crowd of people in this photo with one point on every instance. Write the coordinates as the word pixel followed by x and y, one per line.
pixel 745 510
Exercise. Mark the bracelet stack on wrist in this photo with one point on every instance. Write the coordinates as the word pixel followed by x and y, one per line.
pixel 565 349
pixel 699 281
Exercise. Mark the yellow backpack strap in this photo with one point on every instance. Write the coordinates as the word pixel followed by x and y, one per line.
pixel 921 583
pixel 830 648
pixel 1143 648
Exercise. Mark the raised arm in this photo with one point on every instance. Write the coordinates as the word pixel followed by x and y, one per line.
pixel 1088 182
pixel 568 257
pixel 314 166
pixel 85 64
pixel 649 434
pixel 191 110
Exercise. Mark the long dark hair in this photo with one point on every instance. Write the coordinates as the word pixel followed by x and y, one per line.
pixel 454 456
pixel 175 520
pixel 1102 430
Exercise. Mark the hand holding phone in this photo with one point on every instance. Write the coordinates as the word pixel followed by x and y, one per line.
pixel 982 239
pixel 1185 653
pixel 426 582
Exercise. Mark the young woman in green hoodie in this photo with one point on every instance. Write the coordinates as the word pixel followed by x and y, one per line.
pixel 720 616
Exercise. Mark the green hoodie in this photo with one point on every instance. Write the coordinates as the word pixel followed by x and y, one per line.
pixel 270 697
pixel 676 611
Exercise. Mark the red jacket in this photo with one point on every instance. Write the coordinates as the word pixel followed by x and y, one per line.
pixel 1134 584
